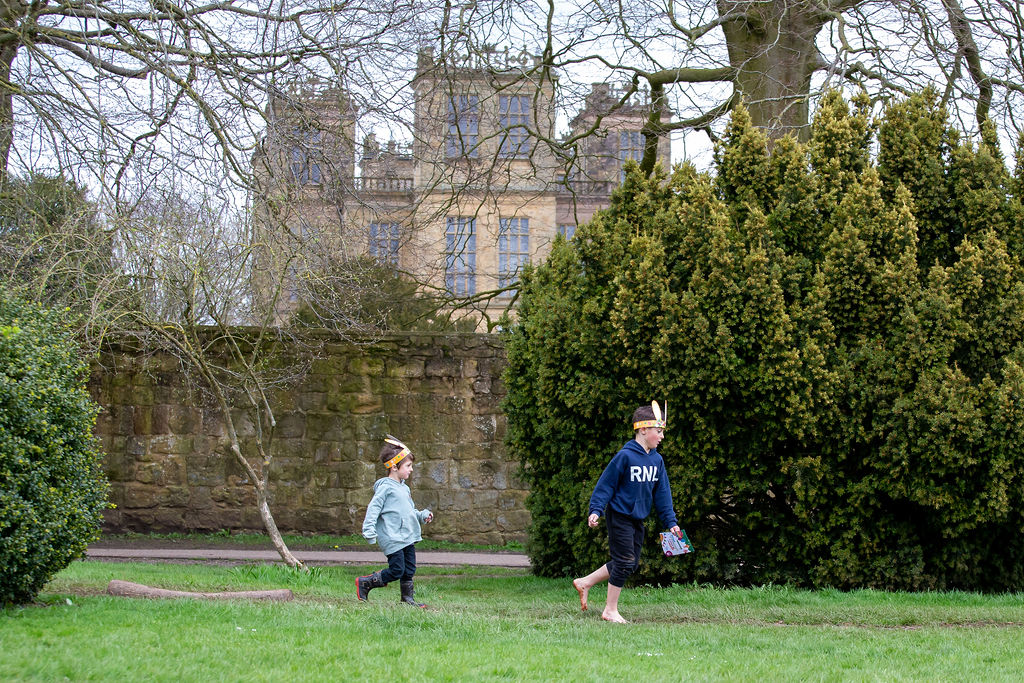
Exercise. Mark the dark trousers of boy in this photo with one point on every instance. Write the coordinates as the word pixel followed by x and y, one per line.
pixel 625 541
pixel 401 565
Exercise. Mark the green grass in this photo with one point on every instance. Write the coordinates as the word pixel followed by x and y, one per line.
pixel 488 624
pixel 315 542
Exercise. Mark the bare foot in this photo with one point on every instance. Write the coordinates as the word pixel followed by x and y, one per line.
pixel 615 618
pixel 583 593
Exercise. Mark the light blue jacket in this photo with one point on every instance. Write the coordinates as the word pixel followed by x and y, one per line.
pixel 392 519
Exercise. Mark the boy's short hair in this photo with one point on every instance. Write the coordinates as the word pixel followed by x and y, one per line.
pixel 390 450
pixel 642 413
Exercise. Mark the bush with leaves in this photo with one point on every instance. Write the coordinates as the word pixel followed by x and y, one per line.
pixel 371 297
pixel 53 248
pixel 52 487
pixel 841 348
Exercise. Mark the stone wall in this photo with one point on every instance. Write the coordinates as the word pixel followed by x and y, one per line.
pixel 170 468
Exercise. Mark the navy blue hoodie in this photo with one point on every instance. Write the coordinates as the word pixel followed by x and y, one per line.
pixel 631 481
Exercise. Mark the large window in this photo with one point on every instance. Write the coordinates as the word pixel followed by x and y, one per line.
pixel 631 146
pixel 514 115
pixel 568 231
pixel 463 126
pixel 306 153
pixel 384 242
pixel 513 250
pixel 460 256
pixel 292 280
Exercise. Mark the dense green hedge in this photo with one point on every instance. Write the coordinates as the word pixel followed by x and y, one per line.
pixel 52 488
pixel 838 336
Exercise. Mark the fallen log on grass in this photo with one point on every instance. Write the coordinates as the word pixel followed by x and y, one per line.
pixel 127 589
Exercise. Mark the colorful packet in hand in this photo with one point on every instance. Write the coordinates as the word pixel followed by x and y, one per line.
pixel 673 545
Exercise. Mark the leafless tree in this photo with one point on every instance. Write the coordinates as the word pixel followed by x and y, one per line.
pixel 185 266
pixel 170 279
pixel 701 57
pixel 157 108
pixel 126 90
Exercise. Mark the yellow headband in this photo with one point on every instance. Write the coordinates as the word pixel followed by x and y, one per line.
pixel 395 460
pixel 660 419
pixel 401 454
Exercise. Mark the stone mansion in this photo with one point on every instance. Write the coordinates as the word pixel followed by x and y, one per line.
pixel 477 193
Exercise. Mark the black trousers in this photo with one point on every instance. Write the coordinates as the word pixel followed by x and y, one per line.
pixel 625 541
pixel 401 565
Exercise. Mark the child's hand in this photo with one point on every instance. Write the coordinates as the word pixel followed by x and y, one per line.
pixel 677 531
pixel 593 519
pixel 429 519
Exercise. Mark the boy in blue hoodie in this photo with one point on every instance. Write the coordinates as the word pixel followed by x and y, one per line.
pixel 393 522
pixel 634 478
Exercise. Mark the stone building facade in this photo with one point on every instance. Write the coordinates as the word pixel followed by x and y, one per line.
pixel 476 194
pixel 170 468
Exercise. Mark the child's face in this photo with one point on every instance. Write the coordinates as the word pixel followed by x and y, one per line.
pixel 403 469
pixel 652 436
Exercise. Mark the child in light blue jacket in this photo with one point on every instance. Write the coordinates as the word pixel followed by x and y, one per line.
pixel 393 522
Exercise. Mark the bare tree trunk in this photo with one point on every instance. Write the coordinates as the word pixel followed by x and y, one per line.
pixel 969 49
pixel 271 526
pixel 127 589
pixel 772 47
pixel 190 349
pixel 259 484
pixel 12 12
pixel 7 54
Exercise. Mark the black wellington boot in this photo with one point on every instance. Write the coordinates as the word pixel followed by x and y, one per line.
pixel 364 584
pixel 407 594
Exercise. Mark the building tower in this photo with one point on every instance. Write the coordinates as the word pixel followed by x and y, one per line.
pixel 476 194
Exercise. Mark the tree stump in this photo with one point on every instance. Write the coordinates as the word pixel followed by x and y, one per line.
pixel 127 589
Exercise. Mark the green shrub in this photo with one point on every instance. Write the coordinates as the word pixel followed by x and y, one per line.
pixel 52 488
pixel 841 344
pixel 55 249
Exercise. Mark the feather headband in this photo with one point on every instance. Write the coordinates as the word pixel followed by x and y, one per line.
pixel 398 456
pixel 660 418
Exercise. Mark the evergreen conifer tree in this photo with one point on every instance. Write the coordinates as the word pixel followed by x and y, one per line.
pixel 840 343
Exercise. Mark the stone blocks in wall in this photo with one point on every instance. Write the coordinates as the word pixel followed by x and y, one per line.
pixel 171 467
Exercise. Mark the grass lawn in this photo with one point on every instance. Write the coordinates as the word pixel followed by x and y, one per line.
pixel 487 624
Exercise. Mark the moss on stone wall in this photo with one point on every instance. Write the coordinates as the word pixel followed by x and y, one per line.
pixel 167 458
